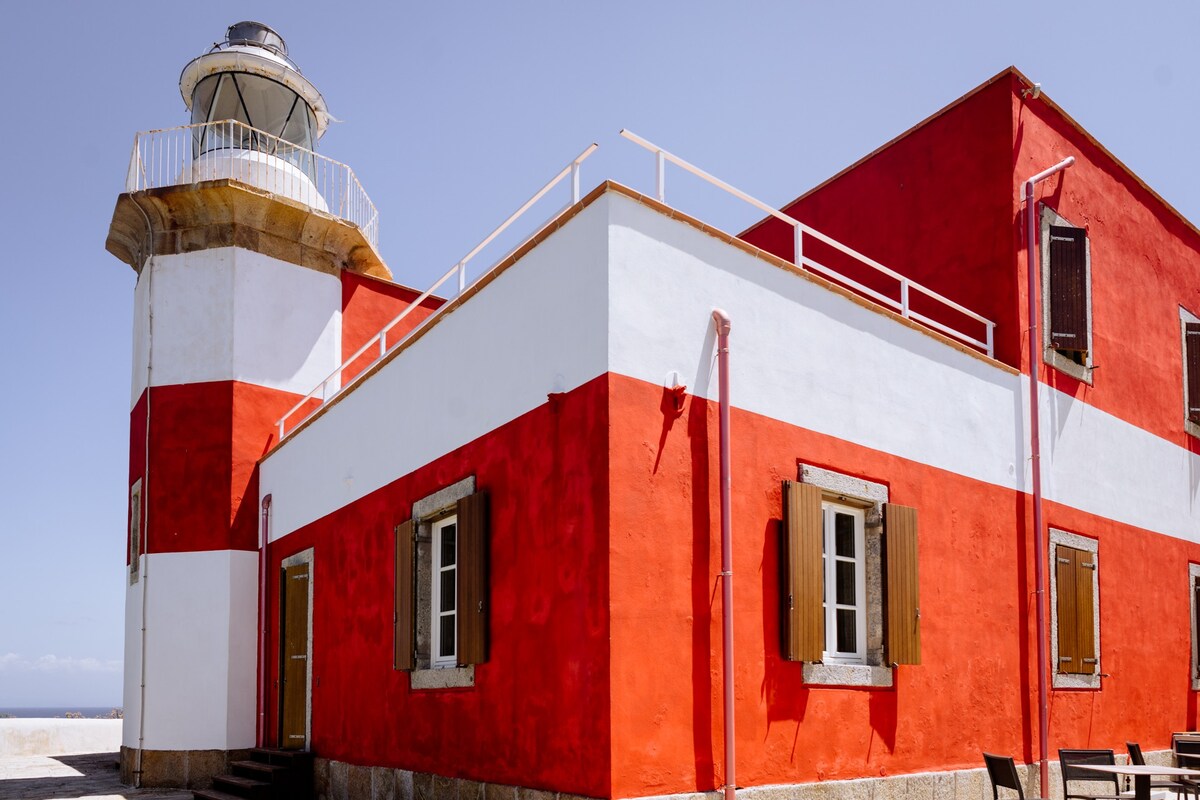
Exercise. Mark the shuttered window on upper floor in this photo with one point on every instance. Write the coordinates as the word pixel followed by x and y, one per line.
pixel 1069 318
pixel 1191 356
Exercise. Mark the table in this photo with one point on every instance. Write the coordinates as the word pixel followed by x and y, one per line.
pixel 1141 774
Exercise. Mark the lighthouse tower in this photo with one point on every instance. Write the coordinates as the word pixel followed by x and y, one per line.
pixel 240 235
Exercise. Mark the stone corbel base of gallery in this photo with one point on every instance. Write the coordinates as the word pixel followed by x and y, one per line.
pixel 337 780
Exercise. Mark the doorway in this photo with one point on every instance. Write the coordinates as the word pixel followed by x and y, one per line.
pixel 295 651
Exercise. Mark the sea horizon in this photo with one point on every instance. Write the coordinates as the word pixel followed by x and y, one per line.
pixel 57 712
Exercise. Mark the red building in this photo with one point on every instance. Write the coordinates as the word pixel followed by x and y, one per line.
pixel 487 556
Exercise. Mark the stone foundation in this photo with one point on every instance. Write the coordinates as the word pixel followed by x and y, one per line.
pixel 337 780
pixel 184 769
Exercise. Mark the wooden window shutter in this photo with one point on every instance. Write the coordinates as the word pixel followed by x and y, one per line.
pixel 473 579
pixel 1066 570
pixel 802 575
pixel 1085 577
pixel 1191 339
pixel 1075 572
pixel 405 619
pixel 1069 323
pixel 902 634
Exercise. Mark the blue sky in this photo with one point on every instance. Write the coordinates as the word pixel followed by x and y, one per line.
pixel 452 114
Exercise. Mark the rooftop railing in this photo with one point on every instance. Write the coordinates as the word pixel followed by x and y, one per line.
pixel 906 291
pixel 233 150
pixel 379 345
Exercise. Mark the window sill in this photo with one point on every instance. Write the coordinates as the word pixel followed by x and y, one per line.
pixel 858 675
pixel 455 678
pixel 1191 427
pixel 1080 372
pixel 1067 680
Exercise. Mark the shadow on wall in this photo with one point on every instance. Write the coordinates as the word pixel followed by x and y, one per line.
pixel 704 593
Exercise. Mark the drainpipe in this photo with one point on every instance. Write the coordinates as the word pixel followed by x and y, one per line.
pixel 262 621
pixel 1035 449
pixel 144 573
pixel 722 324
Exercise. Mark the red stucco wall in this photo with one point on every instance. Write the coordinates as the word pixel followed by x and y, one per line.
pixel 1145 264
pixel 205 442
pixel 934 206
pixel 976 687
pixel 538 713
pixel 370 303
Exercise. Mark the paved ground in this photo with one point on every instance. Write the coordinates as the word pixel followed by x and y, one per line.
pixel 87 777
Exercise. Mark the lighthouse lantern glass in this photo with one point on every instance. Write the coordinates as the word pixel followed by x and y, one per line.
pixel 260 103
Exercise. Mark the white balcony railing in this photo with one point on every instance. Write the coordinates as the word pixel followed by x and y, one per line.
pixel 906 291
pixel 233 150
pixel 375 348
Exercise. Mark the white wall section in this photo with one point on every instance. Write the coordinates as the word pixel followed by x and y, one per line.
pixel 801 353
pixel 623 288
pixel 201 651
pixel 233 314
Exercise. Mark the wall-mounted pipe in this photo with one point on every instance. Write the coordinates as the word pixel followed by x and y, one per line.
pixel 262 621
pixel 1035 449
pixel 144 533
pixel 722 324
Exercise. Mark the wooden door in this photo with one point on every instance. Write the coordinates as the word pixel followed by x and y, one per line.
pixel 293 689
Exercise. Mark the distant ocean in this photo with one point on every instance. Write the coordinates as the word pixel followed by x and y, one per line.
pixel 91 712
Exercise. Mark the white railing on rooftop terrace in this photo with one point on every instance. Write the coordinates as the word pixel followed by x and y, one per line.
pixel 378 345
pixel 906 290
pixel 233 150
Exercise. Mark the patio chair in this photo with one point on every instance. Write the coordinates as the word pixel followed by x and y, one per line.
pixel 1180 786
pixel 1069 761
pixel 1003 772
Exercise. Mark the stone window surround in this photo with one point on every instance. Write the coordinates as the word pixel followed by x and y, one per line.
pixel 1193 575
pixel 871 496
pixel 425 512
pixel 1063 680
pixel 136 531
pixel 1186 316
pixel 1082 372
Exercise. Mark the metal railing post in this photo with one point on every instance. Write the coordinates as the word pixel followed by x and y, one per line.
pixel 904 297
pixel 798 246
pixel 661 176
pixel 574 182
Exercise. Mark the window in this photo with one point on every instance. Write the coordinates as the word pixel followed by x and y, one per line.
pixel 441 608
pixel 848 577
pixel 1066 296
pixel 1194 585
pixel 1189 331
pixel 135 531
pixel 845 595
pixel 1076 639
pixel 444 628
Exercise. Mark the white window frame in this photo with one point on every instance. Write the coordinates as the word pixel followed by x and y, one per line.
pixel 438 661
pixel 830 559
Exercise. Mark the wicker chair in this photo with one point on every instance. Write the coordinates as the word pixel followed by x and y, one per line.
pixel 1003 772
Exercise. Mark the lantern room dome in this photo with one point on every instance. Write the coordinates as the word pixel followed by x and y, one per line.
pixel 269 89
